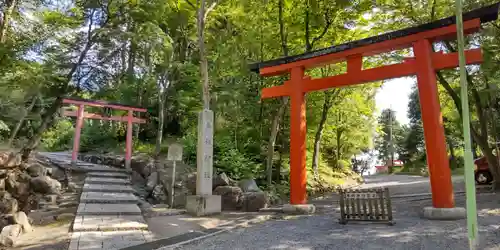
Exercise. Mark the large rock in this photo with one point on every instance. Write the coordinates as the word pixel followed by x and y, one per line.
pixel 21 219
pixel 45 185
pixel 4 221
pixel 8 205
pixel 230 197
pixel 11 181
pixel 142 165
pixel 152 181
pixel 254 201
pixel 58 174
pixel 36 169
pixel 220 180
pixel 22 193
pixel 159 194
pixel 149 168
pixel 9 234
pixel 9 160
pixel 140 191
pixel 249 185
pixel 137 178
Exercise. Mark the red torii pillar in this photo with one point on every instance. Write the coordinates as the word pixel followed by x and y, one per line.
pixel 80 114
pixel 424 65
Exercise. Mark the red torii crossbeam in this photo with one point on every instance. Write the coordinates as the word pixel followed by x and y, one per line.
pixel 424 65
pixel 80 114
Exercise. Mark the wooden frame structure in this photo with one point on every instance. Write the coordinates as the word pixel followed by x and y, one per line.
pixel 424 64
pixel 372 204
pixel 80 114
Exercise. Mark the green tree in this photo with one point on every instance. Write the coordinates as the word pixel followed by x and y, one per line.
pixel 391 133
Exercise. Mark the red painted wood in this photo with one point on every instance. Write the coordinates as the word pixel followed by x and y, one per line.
pixel 128 149
pixel 298 172
pixel 78 131
pixel 437 157
pixel 447 32
pixel 354 63
pixel 104 118
pixel 357 76
pixel 102 104
pixel 448 61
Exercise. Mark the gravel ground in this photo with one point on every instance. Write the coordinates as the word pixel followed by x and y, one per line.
pixel 322 231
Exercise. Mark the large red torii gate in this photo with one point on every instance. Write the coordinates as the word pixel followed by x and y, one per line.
pixel 80 114
pixel 424 65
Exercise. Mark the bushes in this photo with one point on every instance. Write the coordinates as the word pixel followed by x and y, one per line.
pixel 227 157
pixel 59 137
pixel 99 137
pixel 94 137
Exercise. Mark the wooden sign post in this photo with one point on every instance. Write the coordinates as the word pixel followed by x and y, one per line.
pixel 174 154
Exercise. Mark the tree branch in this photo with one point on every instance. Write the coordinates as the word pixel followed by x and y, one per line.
pixel 433 10
pixel 191 4
pixel 307 33
pixel 325 29
pixel 209 10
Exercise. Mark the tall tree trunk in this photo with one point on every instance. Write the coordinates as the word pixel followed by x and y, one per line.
pixel 452 152
pixel 317 138
pixel 284 102
pixel 328 95
pixel 161 119
pixel 202 15
pixel 272 139
pixel 481 139
pixel 47 121
pixel 339 146
pixel 21 119
pixel 4 24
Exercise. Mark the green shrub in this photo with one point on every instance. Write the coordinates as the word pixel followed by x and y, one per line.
pixel 227 158
pixel 98 137
pixel 59 137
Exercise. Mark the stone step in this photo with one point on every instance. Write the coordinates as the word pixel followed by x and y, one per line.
pixel 108 240
pixel 86 223
pixel 103 169
pixel 107 180
pixel 108 209
pixel 109 175
pixel 108 197
pixel 112 188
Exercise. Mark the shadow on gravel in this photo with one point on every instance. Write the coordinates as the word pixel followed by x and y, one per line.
pixel 322 231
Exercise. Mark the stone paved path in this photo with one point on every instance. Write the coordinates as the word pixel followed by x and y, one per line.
pixel 108 216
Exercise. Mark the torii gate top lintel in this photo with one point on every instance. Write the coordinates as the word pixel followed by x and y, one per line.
pixel 100 103
pixel 423 64
pixel 439 29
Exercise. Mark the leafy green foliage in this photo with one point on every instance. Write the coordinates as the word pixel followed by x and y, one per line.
pixel 59 137
pixel 138 52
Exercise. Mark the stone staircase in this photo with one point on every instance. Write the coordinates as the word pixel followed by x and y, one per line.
pixel 108 216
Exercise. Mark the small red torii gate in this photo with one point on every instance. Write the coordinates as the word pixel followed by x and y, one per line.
pixel 80 114
pixel 424 64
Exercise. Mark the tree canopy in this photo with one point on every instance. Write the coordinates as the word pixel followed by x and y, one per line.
pixel 147 53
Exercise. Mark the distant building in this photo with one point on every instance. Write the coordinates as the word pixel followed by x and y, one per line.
pixel 381 169
pixel 385 168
